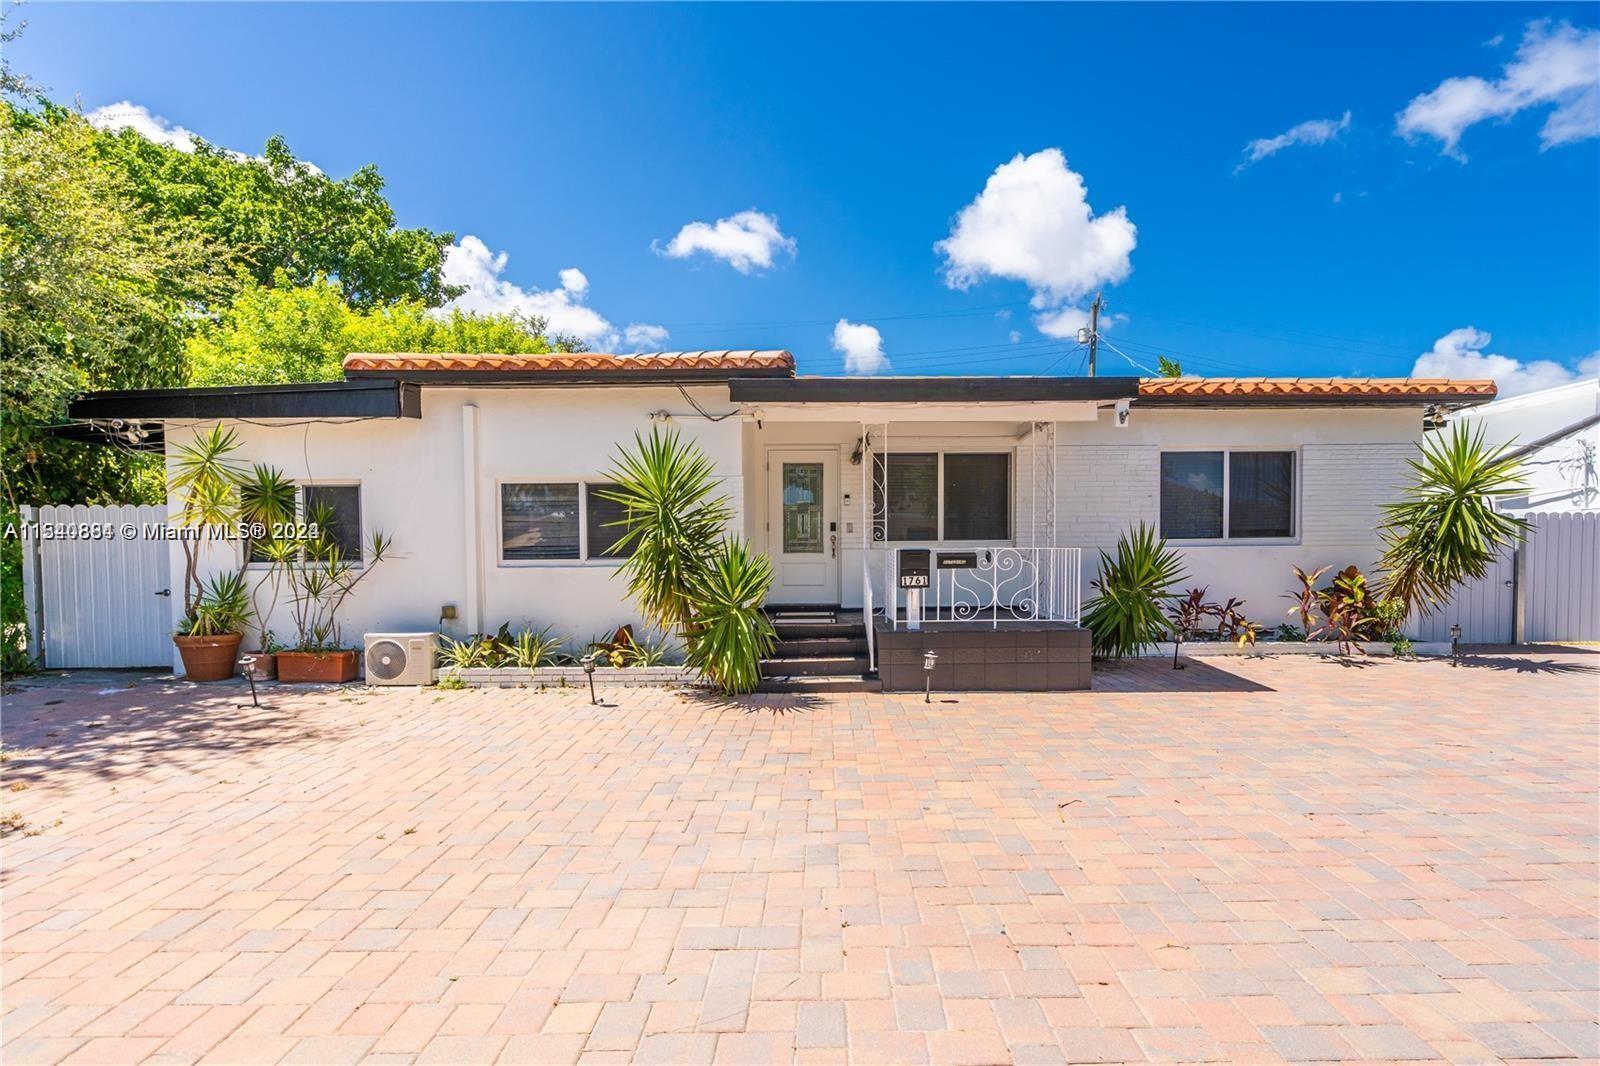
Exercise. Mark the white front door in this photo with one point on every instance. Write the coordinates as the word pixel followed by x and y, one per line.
pixel 803 525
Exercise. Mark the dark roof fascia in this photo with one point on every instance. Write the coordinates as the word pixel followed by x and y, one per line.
pixel 869 390
pixel 148 436
pixel 565 378
pixel 320 399
pixel 1436 400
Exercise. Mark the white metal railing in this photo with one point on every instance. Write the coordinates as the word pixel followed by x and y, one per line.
pixel 1008 584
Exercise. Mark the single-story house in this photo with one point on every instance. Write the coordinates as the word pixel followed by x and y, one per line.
pixel 484 470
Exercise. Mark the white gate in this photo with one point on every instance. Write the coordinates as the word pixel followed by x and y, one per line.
pixel 98 597
pixel 1557 579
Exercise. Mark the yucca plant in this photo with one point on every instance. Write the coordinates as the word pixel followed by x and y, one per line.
pixel 728 634
pixel 674 521
pixel 206 479
pixel 1134 589
pixel 531 649
pixel 222 609
pixel 1445 530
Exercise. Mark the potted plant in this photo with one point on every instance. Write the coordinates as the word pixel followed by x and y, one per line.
pixel 319 582
pixel 217 497
pixel 208 639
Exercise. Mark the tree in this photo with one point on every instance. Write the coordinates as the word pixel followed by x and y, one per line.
pixel 1445 530
pixel 1169 368
pixel 302 333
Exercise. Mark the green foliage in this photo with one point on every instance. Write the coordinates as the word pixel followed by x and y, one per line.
pixel 468 654
pixel 1133 589
pixel 684 574
pixel 674 519
pixel 1168 368
pixel 728 633
pixel 321 579
pixel 283 333
pixel 1445 530
pixel 531 649
pixel 222 609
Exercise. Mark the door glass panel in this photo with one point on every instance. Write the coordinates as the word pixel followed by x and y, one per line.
pixel 802 507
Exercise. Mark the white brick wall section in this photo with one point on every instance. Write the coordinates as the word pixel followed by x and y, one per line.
pixel 1344 487
pixel 1104 489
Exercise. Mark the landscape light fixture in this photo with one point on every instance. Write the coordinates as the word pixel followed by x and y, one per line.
pixel 928 659
pixel 1455 642
pixel 588 668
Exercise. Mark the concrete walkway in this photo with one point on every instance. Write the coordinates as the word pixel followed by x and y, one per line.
pixel 1249 860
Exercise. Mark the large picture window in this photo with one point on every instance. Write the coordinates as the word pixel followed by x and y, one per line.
pixel 559 520
pixel 943 495
pixel 1227 495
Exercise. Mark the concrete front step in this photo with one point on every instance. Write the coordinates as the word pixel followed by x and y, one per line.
pixel 820 685
pixel 815 666
pixel 804 647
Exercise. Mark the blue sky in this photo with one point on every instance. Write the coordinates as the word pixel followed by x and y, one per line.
pixel 957 178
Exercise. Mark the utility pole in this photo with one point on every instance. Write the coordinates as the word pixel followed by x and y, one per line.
pixel 1094 333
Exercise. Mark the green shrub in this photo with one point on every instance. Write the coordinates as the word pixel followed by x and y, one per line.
pixel 1134 588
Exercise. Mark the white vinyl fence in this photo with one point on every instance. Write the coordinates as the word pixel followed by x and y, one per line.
pixel 98 586
pixel 1552 582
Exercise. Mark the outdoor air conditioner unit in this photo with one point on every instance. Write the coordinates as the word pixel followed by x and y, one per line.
pixel 401 658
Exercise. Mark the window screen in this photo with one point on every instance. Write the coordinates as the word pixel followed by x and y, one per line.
pixel 1191 495
pixel 539 521
pixel 605 522
pixel 339 507
pixel 1260 494
pixel 977 497
pixel 911 508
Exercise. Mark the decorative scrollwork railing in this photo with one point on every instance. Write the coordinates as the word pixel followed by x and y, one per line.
pixel 1008 584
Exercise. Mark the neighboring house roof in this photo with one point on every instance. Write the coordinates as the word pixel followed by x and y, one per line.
pixel 962 390
pixel 1268 392
pixel 573 367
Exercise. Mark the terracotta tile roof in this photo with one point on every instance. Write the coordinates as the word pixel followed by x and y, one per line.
pixel 575 362
pixel 1347 389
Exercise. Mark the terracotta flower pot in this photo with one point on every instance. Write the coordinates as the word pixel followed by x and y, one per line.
pixel 265 667
pixel 209 658
pixel 329 667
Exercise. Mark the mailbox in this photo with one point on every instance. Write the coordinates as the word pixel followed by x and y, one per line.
pixel 958 560
pixel 914 568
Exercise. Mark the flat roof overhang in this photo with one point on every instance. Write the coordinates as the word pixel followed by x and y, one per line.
pixel 388 398
pixel 930 390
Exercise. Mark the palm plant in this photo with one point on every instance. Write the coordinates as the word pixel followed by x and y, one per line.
pixel 222 609
pixel 207 478
pixel 728 633
pixel 1445 530
pixel 322 579
pixel 674 519
pixel 1134 587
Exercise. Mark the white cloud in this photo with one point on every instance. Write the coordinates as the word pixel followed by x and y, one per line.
pixel 1460 354
pixel 1014 336
pixel 748 241
pixel 127 115
pixel 643 338
pixel 1312 132
pixel 469 262
pixel 862 347
pixel 1032 223
pixel 1064 323
pixel 1554 66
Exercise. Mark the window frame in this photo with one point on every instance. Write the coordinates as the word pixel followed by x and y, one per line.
pixel 300 516
pixel 939 495
pixel 584 559
pixel 1227 452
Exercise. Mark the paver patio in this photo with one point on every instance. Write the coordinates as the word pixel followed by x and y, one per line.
pixel 1281 859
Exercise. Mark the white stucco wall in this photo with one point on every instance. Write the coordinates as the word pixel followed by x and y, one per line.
pixel 413 475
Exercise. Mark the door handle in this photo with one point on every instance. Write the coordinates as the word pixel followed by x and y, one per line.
pixel 833 545
pixel 164 592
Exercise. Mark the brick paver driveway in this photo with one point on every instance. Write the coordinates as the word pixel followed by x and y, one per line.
pixel 1274 859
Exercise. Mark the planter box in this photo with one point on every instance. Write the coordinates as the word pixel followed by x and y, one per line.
pixel 265 667
pixel 327 667
pixel 1208 649
pixel 209 658
pixel 570 676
